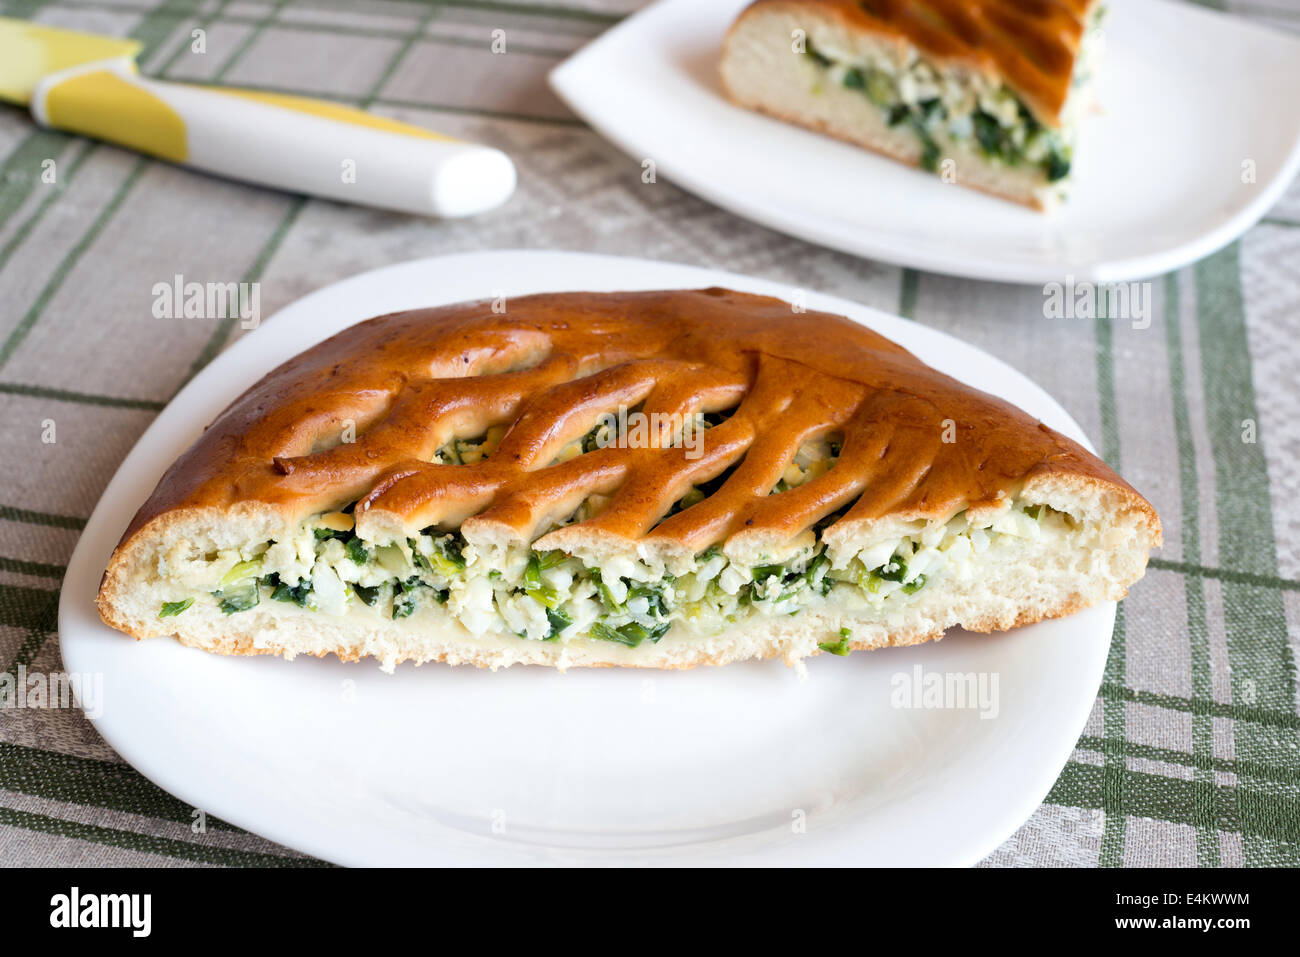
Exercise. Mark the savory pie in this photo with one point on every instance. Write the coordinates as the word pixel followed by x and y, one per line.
pixel 984 92
pixel 659 479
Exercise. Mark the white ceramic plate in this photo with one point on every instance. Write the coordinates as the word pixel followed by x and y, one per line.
pixel 1189 96
pixel 459 766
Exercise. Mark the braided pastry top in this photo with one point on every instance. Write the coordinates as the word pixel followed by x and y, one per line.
pixel 915 443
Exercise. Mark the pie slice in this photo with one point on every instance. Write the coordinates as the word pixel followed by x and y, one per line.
pixel 984 92
pixel 658 479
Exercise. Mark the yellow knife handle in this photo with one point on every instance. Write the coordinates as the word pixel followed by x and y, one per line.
pixel 290 142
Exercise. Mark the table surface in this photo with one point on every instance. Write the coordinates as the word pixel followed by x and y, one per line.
pixel 1191 754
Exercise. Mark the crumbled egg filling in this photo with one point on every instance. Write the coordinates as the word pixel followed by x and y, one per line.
pixel 324 567
pixel 960 107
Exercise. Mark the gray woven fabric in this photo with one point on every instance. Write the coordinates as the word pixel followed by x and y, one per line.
pixel 1190 756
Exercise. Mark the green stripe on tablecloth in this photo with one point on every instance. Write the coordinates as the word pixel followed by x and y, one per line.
pixel 133 841
pixel 106 784
pixel 1263 670
pixel 56 191
pixel 55 282
pixel 204 21
pixel 1207 839
pixel 24 607
pixel 1265 717
pixel 23 9
pixel 1114 716
pixel 33 609
pixel 252 274
pixel 555 10
pixel 21 171
pixel 1282 774
pixel 11 513
pixel 22 566
pixel 252 37
pixel 81 398
pixel 1223 574
pixel 1275 816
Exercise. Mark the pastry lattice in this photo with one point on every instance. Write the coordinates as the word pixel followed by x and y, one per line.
pixel 550 365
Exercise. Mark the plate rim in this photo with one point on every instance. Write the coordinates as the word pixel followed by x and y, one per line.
pixel 876 246
pixel 83 568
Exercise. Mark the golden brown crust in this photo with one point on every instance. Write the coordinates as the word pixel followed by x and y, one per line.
pixel 1031 44
pixel 551 364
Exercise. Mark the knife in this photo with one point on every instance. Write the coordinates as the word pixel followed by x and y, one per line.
pixel 88 84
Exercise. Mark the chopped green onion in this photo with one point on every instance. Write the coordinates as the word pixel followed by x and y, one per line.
pixel 606 596
pixel 240 598
pixel 880 89
pixel 894 570
pixel 840 647
pixel 559 621
pixel 170 609
pixel 823 584
pixel 297 594
pixel 241 571
pixel 1058 167
pixel 631 634
pixel 369 595
pixel 356 551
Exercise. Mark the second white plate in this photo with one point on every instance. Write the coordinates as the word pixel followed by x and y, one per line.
pixel 1200 135
pixel 746 764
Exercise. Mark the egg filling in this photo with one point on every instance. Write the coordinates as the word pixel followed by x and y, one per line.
pixel 951 108
pixel 323 567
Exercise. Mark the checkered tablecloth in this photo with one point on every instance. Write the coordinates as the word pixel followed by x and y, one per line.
pixel 1191 755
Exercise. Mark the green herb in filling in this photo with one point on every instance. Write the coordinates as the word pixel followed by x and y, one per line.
pixel 368 595
pixel 297 594
pixel 238 598
pixel 840 647
pixel 816 574
pixel 559 621
pixel 356 551
pixel 404 596
pixel 656 604
pixel 238 589
pixel 170 609
pixel 606 596
pixel 813 55
pixel 1058 166
pixel 631 634
pixel 1005 144
pixel 403 604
